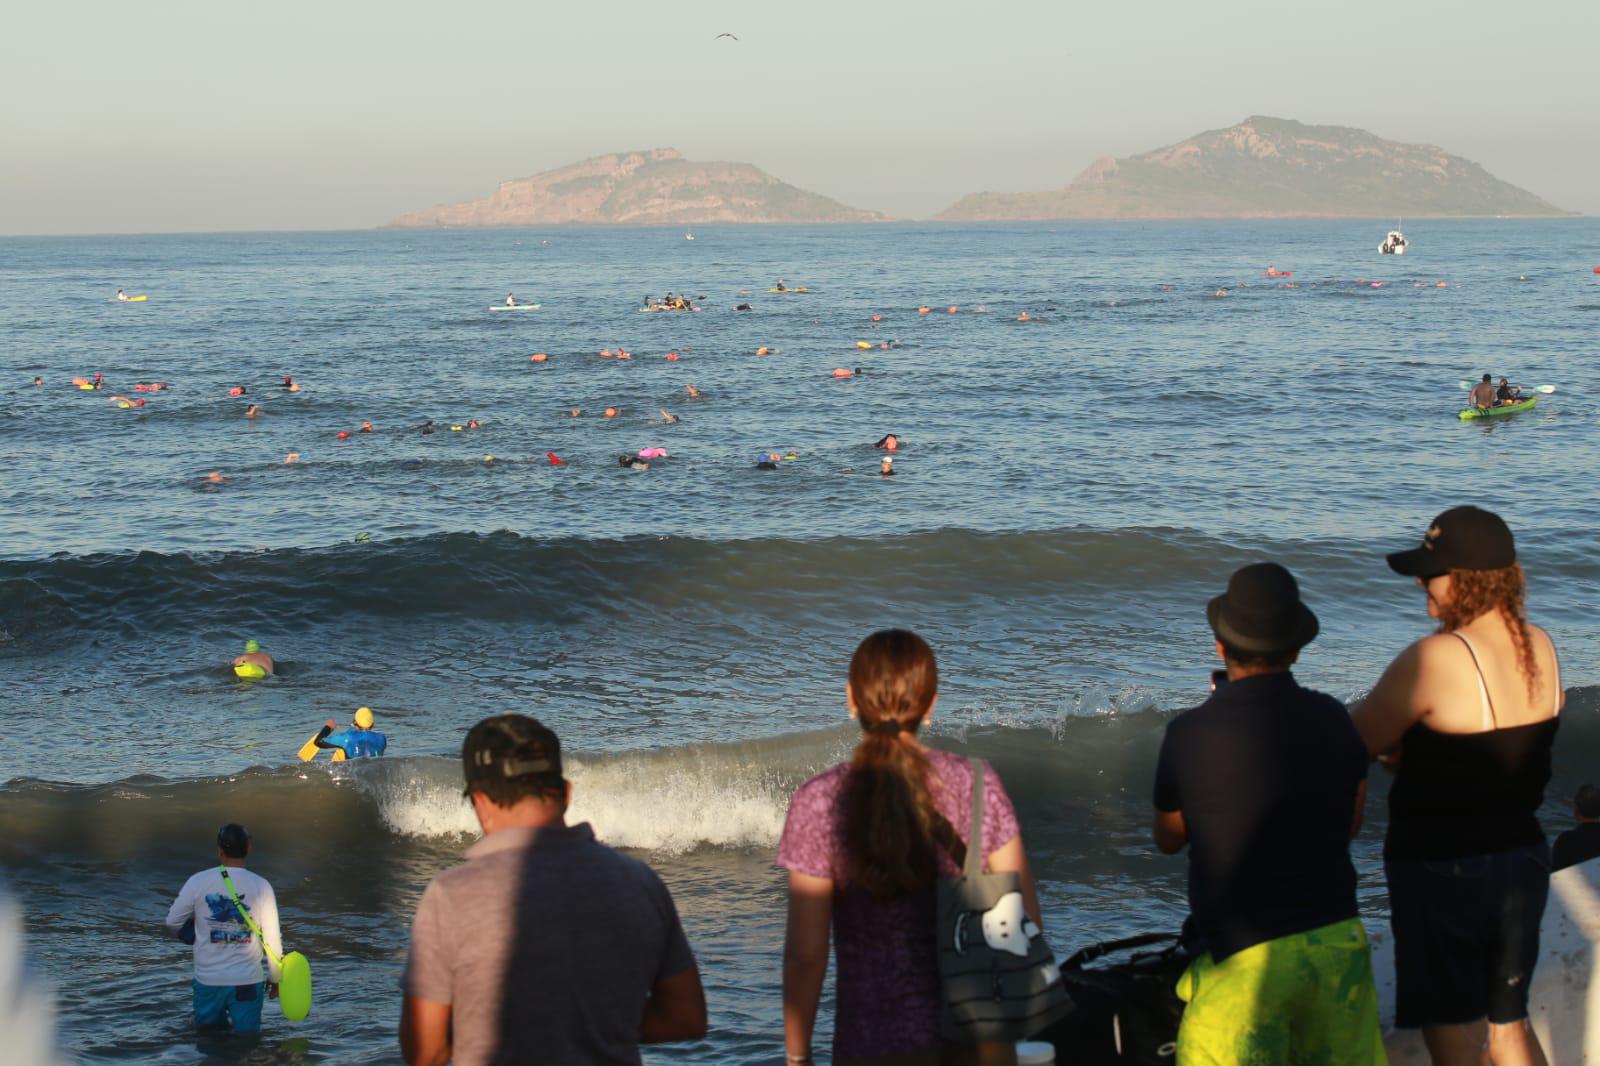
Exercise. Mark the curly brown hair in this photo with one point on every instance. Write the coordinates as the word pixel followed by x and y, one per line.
pixel 1477 592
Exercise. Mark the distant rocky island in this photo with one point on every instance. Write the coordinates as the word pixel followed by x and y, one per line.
pixel 1269 168
pixel 657 187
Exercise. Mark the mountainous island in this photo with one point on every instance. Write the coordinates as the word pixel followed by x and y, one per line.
pixel 1268 168
pixel 657 187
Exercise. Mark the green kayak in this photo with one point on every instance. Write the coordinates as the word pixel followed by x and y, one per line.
pixel 1504 409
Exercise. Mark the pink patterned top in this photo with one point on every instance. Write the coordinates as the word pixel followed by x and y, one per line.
pixel 887 995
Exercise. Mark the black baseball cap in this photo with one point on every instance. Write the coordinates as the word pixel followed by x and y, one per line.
pixel 511 746
pixel 234 840
pixel 1463 538
pixel 1262 612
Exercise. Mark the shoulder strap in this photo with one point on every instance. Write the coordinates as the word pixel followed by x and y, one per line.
pixel 974 864
pixel 1555 657
pixel 1489 720
pixel 248 921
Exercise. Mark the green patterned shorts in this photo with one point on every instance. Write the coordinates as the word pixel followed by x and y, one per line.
pixel 1306 999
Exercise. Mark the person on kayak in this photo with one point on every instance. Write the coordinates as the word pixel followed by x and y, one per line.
pixel 359 741
pixel 1506 394
pixel 1483 396
pixel 122 295
pixel 780 286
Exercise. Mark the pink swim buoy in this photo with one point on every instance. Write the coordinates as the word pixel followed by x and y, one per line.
pixel 652 453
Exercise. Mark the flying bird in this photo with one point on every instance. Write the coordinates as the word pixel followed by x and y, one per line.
pixel 720 36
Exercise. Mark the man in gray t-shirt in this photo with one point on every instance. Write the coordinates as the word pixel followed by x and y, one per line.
pixel 545 945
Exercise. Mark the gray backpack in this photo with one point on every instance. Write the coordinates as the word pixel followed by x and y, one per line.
pixel 1000 980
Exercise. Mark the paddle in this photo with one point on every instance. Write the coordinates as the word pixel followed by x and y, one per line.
pixel 1545 389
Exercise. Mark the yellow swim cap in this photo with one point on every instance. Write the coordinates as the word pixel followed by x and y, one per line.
pixel 364 717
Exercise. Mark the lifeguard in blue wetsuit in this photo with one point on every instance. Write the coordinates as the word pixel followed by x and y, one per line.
pixel 358 741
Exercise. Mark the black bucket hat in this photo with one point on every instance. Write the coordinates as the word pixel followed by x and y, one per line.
pixel 1261 611
pixel 1463 538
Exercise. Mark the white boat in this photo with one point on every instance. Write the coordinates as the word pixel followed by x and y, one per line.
pixel 516 307
pixel 1394 243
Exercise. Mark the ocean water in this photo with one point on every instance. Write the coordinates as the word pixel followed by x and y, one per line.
pixel 1069 493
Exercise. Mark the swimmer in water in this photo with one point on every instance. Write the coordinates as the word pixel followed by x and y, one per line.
pixel 255 656
pixel 888 443
pixel 252 411
pixel 1220 292
pixel 215 478
pixel 288 382
pixel 1024 317
pixel 766 461
pixel 886 468
pixel 633 462
pixel 366 427
pixel 426 427
pixel 38 381
pixel 668 417
pixel 576 412
pixel 292 457
pixel 358 741
pixel 694 393
pixel 744 307
pixel 472 423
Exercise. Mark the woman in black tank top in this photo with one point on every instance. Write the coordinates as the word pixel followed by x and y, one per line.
pixel 1465 856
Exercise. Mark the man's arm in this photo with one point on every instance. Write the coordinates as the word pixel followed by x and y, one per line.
pixel 1170 831
pixel 321 739
pixel 1361 808
pixel 266 916
pixel 424 1032
pixel 182 909
pixel 676 1009
pixel 805 957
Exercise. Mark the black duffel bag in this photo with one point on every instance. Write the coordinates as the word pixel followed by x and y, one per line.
pixel 1123 1011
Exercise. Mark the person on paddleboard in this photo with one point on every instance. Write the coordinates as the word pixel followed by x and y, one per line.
pixel 220 911
pixel 358 741
pixel 1482 396
pixel 254 656
pixel 511 299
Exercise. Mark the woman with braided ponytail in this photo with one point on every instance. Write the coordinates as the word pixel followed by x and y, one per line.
pixel 1466 719
pixel 864 844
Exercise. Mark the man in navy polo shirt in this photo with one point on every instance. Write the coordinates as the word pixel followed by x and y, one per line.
pixel 1265 783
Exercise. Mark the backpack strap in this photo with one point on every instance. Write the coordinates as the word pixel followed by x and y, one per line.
pixel 974 858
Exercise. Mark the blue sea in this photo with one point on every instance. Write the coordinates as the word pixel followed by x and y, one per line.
pixel 1069 492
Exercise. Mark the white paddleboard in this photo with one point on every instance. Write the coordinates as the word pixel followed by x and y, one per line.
pixel 516 307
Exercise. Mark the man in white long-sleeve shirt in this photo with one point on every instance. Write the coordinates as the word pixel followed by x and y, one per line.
pixel 227 945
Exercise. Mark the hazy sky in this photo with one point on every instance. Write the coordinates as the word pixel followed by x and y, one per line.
pixel 189 115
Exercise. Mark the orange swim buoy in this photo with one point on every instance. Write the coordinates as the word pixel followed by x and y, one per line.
pixel 952 310
pixel 605 353
pixel 841 372
pixel 343 434
pixel 611 412
pixel 538 357
pixel 672 357
pixel 879 318
pixel 863 344
pixel 237 390
pixel 923 310
pixel 761 350
pixel 624 355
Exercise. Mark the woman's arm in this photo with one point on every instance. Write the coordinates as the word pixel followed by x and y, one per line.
pixel 424 1032
pixel 1011 857
pixel 1393 705
pixel 805 958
